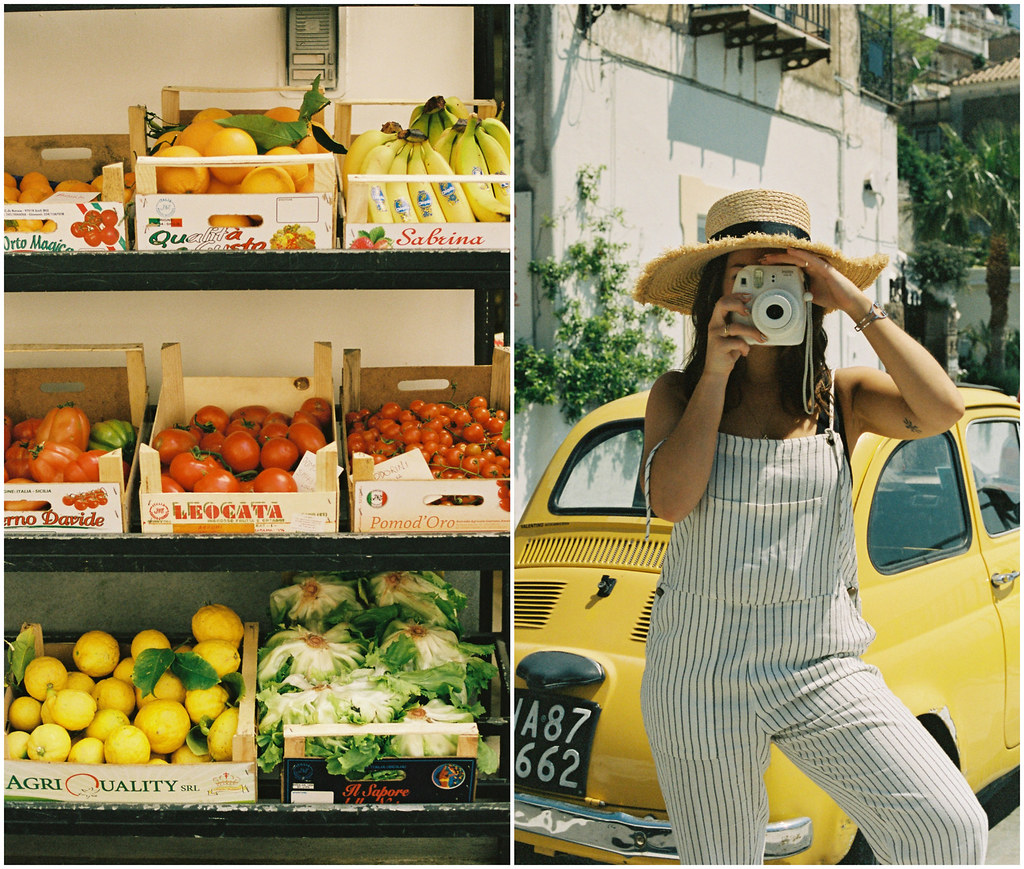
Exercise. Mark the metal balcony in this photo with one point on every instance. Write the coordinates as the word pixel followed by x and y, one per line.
pixel 795 34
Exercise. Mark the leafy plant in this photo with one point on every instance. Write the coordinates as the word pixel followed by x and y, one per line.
pixel 606 345
pixel 934 263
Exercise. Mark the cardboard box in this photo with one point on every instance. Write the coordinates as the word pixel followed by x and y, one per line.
pixel 419 506
pixel 64 373
pixel 231 781
pixel 313 511
pixel 68 221
pixel 388 780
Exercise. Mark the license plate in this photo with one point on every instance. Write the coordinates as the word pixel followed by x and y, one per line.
pixel 553 737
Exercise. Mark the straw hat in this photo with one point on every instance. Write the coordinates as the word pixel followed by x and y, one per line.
pixel 742 220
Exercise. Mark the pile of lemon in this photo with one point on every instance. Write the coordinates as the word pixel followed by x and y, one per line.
pixel 94 713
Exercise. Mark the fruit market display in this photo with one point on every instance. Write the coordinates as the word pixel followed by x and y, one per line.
pixel 160 703
pixel 253 448
pixel 365 649
pixel 443 139
pixel 63 446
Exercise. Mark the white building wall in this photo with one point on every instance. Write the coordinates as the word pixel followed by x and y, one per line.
pixel 679 122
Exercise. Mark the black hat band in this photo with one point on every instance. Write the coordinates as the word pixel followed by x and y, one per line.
pixel 766 227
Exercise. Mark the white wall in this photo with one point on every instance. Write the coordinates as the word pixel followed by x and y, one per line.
pixel 683 113
pixel 78 71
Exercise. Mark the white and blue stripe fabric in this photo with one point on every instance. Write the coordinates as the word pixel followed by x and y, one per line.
pixel 755 637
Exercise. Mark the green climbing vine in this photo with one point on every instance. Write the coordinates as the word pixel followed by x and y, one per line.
pixel 606 345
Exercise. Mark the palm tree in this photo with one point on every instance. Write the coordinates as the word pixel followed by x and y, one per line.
pixel 979 184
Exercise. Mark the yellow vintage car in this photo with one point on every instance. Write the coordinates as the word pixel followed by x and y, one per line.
pixel 938 544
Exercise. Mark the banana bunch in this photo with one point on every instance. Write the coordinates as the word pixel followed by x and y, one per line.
pixel 463 144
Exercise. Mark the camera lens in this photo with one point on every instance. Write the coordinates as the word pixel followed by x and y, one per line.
pixel 774 312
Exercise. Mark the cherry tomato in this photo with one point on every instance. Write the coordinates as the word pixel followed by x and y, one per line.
pixel 481 415
pixel 240 451
pixel 489 468
pixel 109 235
pixel 493 425
pixel 307 436
pixel 217 481
pixel 92 218
pixel 471 464
pixel 79 229
pixel 108 217
pixel 476 401
pixel 390 410
pixel 172 442
pixel 211 415
pixel 92 237
pixel 320 409
pixel 274 480
pixel 280 453
pixel 474 433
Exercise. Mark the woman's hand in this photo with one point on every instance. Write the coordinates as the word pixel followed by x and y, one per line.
pixel 725 338
pixel 829 288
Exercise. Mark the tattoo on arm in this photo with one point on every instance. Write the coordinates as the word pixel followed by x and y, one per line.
pixel 911 425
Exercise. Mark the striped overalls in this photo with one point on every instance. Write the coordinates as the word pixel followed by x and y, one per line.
pixel 756 637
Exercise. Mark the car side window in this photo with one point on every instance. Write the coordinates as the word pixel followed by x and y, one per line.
pixel 993 447
pixel 601 474
pixel 919 509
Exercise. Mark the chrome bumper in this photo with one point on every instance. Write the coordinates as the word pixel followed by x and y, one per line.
pixel 628 836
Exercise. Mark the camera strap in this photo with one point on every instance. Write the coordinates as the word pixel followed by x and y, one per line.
pixel 808 381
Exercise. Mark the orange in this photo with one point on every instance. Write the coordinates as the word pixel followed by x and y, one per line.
pixel 218 186
pixel 309 144
pixel 11 194
pixel 231 142
pixel 73 186
pixel 268 179
pixel 35 194
pixel 165 140
pixel 9 180
pixel 211 114
pixel 35 179
pixel 198 134
pixel 298 171
pixel 229 220
pixel 97 183
pixel 283 113
pixel 306 184
pixel 181 179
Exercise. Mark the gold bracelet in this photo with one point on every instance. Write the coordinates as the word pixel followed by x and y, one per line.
pixel 876 313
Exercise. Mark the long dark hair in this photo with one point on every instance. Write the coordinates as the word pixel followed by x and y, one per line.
pixel 791 359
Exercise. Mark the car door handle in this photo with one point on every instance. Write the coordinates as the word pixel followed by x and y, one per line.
pixel 999 579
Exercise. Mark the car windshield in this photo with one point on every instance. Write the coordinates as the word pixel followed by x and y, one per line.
pixel 601 474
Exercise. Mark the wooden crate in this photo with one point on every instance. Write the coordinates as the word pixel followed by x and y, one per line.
pixel 231 781
pixel 403 506
pixel 68 157
pixel 185 512
pixel 60 373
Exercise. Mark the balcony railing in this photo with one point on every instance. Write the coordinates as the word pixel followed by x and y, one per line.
pixel 797 34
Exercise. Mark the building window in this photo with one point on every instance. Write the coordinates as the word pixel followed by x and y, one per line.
pixel 876 54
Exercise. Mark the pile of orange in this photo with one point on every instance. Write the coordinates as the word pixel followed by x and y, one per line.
pixel 36 187
pixel 203 137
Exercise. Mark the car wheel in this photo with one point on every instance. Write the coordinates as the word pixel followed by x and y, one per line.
pixel 860 853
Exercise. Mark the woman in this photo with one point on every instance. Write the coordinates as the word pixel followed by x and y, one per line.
pixel 756 633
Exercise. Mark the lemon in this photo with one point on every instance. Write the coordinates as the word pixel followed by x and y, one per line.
pixel 221 735
pixel 46 710
pixel 49 742
pixel 206 702
pixel 105 722
pixel 219 654
pixel 87 750
pixel 24 713
pixel 73 709
pixel 126 744
pixel 124 669
pixel 153 760
pixel 167 687
pixel 184 754
pixel 80 682
pixel 114 693
pixel 165 723
pixel 217 622
pixel 96 653
pixel 43 673
pixel 17 744
pixel 149 639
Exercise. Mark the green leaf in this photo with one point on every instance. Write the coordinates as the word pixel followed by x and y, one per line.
pixel 323 139
pixel 149 666
pixel 196 739
pixel 19 654
pixel 193 671
pixel 312 102
pixel 235 685
pixel 266 132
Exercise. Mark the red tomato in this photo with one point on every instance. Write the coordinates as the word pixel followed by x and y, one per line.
pixel 187 468
pixel 272 430
pixel 16 460
pixel 85 468
pixel 217 481
pixel 212 442
pixel 481 415
pixel 476 401
pixel 320 409
pixel 280 453
pixel 471 464
pixel 274 480
pixel 493 425
pixel 248 426
pixel 172 442
pixel 474 433
pixel 305 416
pixel 307 436
pixel 210 415
pixel 50 458
pixel 356 442
pixel 462 417
pixel 26 429
pixel 489 468
pixel 66 424
pixel 390 410
pixel 240 451
pixel 253 412
pixel 169 484
pixel 277 417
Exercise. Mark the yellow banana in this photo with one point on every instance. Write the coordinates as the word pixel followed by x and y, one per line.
pixel 446 140
pixel 422 122
pixel 457 107
pixel 468 159
pixel 450 194
pixel 358 151
pixel 497 164
pixel 378 162
pixel 399 198
pixel 416 112
pixel 424 200
pixel 497 129
pixel 436 127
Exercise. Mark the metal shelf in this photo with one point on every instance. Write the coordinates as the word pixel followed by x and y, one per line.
pixel 80 553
